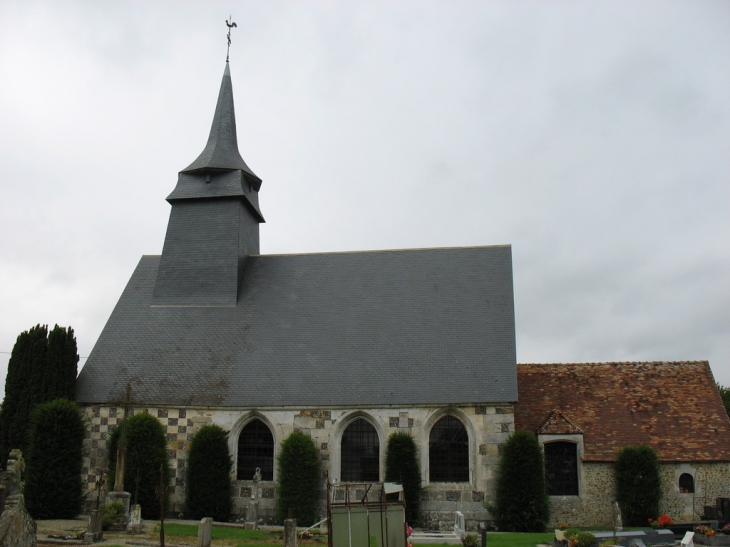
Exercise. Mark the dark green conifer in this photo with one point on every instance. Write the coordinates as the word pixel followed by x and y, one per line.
pixel 146 452
pixel 401 466
pixel 299 479
pixel 42 368
pixel 53 488
pixel 638 485
pixel 521 500
pixel 208 485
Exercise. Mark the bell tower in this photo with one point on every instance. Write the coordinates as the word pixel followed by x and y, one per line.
pixel 214 220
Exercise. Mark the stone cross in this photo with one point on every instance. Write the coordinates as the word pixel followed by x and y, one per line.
pixel 256 481
pixel 617 523
pixel 122 444
pixel 252 514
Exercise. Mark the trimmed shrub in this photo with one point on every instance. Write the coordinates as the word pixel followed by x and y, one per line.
pixel 638 485
pixel 110 512
pixel 401 466
pixel 146 452
pixel 208 488
pixel 53 488
pixel 299 479
pixel 521 501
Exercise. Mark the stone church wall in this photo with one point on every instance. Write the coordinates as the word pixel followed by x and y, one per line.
pixel 487 426
pixel 598 490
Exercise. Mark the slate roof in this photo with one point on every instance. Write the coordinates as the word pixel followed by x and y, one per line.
pixel 407 327
pixel 674 407
pixel 221 150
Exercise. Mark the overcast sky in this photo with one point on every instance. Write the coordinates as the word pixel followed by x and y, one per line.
pixel 594 137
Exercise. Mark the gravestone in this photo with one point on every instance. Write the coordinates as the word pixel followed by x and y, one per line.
pixel 17 527
pixel 205 532
pixel 688 540
pixel 94 532
pixel 290 533
pixel 459 525
pixel 135 519
pixel 252 514
pixel 123 498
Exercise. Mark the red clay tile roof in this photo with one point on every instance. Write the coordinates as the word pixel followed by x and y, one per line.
pixel 672 406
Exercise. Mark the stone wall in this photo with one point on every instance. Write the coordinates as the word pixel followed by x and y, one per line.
pixel 593 507
pixel 487 426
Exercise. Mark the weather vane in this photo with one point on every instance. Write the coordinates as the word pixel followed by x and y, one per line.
pixel 230 25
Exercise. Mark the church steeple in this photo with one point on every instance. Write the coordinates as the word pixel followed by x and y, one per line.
pixel 214 221
pixel 221 152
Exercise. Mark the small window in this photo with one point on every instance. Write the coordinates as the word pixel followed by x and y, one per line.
pixel 686 484
pixel 360 453
pixel 448 451
pixel 561 468
pixel 255 449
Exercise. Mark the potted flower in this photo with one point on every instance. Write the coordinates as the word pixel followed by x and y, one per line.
pixel 704 530
pixel 560 532
pixel 581 539
pixel 725 529
pixel 662 522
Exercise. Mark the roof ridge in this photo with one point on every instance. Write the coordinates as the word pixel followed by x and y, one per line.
pixel 387 250
pixel 622 363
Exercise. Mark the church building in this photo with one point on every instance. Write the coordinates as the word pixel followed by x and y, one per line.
pixel 351 347
pixel 346 347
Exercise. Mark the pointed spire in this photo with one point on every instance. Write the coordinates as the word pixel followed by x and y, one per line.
pixel 221 153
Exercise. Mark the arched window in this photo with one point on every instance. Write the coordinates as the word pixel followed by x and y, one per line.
pixel 255 449
pixel 561 468
pixel 686 484
pixel 448 451
pixel 360 453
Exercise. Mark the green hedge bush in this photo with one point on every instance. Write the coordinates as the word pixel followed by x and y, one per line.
pixel 146 452
pixel 521 501
pixel 110 512
pixel 208 485
pixel 299 479
pixel 401 466
pixel 638 485
pixel 53 487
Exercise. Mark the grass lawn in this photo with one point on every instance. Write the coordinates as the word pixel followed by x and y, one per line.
pixel 509 539
pixel 238 537
pixel 219 532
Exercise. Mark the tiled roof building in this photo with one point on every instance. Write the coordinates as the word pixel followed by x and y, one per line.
pixel 673 407
pixel 584 413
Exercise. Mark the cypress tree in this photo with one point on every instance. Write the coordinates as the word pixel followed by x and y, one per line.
pixel 299 482
pixel 401 466
pixel 208 488
pixel 61 364
pixel 15 415
pixel 146 452
pixel 53 488
pixel 638 484
pixel 42 368
pixel 521 501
